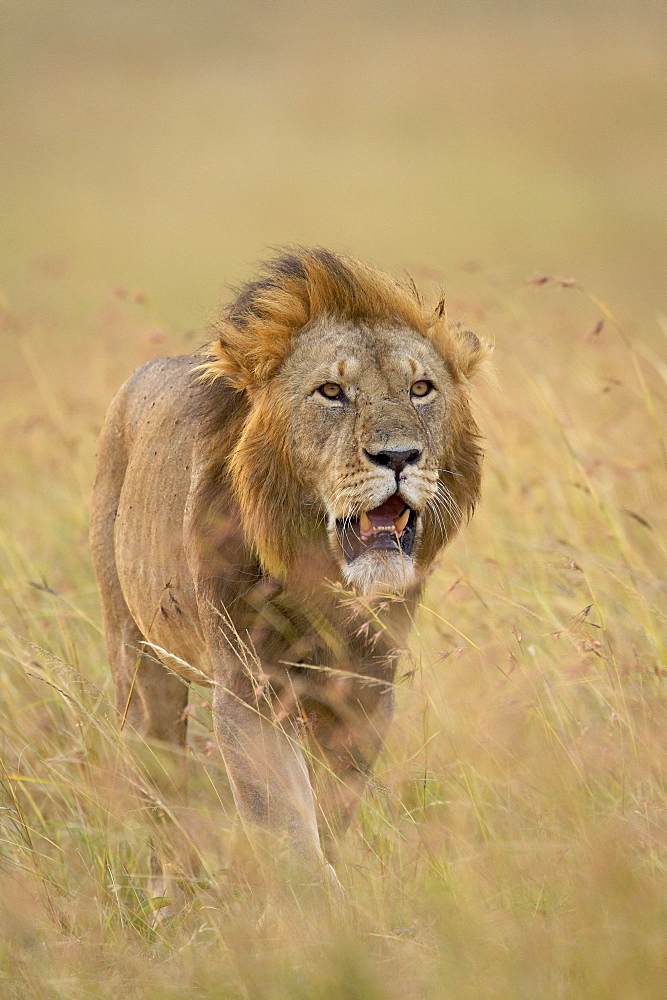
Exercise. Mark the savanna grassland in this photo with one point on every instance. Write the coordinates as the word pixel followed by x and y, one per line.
pixel 513 843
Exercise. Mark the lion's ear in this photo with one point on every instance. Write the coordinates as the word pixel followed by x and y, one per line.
pixel 461 348
pixel 471 351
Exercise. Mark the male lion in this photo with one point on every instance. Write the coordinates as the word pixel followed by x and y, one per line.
pixel 263 522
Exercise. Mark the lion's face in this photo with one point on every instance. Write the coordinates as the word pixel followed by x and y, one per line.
pixel 368 417
pixel 356 426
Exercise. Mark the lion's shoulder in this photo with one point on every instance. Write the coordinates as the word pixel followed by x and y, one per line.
pixel 171 388
pixel 170 375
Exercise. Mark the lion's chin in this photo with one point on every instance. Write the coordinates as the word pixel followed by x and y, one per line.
pixel 380 573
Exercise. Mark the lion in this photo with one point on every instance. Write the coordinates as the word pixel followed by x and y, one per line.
pixel 263 520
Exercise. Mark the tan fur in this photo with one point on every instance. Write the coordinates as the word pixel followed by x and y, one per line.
pixel 223 494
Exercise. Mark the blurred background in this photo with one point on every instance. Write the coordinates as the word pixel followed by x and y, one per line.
pixel 162 147
pixel 513 843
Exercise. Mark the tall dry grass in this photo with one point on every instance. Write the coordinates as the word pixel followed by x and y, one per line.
pixel 513 841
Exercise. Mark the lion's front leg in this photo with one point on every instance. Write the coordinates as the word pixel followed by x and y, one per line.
pixel 346 743
pixel 271 787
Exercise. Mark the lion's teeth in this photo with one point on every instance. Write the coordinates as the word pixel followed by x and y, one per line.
pixel 365 523
pixel 401 521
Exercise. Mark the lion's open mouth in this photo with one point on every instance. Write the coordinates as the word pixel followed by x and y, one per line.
pixel 390 527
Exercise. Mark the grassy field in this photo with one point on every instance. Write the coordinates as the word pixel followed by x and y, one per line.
pixel 514 841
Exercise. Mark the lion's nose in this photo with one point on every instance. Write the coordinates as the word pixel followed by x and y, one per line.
pixel 396 460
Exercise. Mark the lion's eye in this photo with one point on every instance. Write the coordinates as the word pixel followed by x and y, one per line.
pixel 331 390
pixel 421 388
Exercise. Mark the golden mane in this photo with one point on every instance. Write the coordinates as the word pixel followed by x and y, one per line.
pixel 254 334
